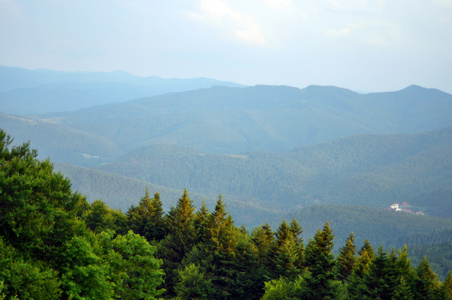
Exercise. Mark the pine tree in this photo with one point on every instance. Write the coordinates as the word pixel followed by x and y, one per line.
pixel 381 281
pixel 403 291
pixel 447 284
pixel 285 252
pixel 200 222
pixel 319 261
pixel 179 241
pixel 404 264
pixel 368 248
pixel 248 272
pixel 296 230
pixel 147 218
pixel 220 248
pixel 263 238
pixel 346 259
pixel 426 284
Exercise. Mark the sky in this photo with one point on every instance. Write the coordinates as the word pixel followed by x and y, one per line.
pixel 363 45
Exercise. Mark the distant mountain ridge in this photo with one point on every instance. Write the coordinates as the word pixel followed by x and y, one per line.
pixel 231 120
pixel 261 118
pixel 25 91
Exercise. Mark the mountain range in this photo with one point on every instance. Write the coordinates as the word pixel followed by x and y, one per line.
pixel 273 152
pixel 25 91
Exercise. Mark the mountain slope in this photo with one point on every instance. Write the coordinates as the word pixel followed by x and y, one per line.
pixel 261 118
pixel 369 170
pixel 121 192
pixel 379 226
pixel 59 141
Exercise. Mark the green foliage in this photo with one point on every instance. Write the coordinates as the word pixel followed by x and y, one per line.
pixel 447 284
pixel 193 284
pixel 147 218
pixel 84 274
pixel 382 279
pixel 179 240
pixel 263 238
pixel 282 288
pixel 63 247
pixel 25 279
pixel 346 260
pixel 426 284
pixel 286 252
pixel 100 218
pixel 133 258
pixel 319 262
pixel 47 252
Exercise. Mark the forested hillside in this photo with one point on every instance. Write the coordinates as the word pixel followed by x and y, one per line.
pixel 233 120
pixel 121 192
pixel 363 170
pixel 54 245
pixel 261 118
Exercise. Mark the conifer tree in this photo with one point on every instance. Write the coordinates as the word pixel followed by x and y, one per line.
pixel 426 284
pixel 447 284
pixel 220 250
pixel 319 261
pixel 403 291
pixel 296 230
pixel 346 259
pixel 200 222
pixel 179 241
pixel 368 248
pixel 147 218
pixel 248 272
pixel 263 238
pixel 404 264
pixel 381 280
pixel 285 252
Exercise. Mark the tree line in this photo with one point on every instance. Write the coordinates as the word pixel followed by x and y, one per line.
pixel 56 245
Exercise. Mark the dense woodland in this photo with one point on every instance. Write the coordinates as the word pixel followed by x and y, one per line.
pixel 54 245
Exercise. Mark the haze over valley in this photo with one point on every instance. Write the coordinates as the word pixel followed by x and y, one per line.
pixel 222 149
pixel 268 150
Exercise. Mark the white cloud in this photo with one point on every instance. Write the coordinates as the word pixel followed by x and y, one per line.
pixel 240 25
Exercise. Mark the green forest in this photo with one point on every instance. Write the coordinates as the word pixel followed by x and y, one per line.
pixel 54 244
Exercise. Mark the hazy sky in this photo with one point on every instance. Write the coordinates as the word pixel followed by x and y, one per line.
pixel 373 45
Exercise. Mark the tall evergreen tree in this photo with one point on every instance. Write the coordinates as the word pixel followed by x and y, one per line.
pixel 296 230
pixel 319 261
pixel 447 284
pixel 382 280
pixel 248 272
pixel 179 241
pixel 220 249
pixel 263 238
pixel 286 251
pixel 200 222
pixel 368 248
pixel 147 218
pixel 426 284
pixel 346 260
